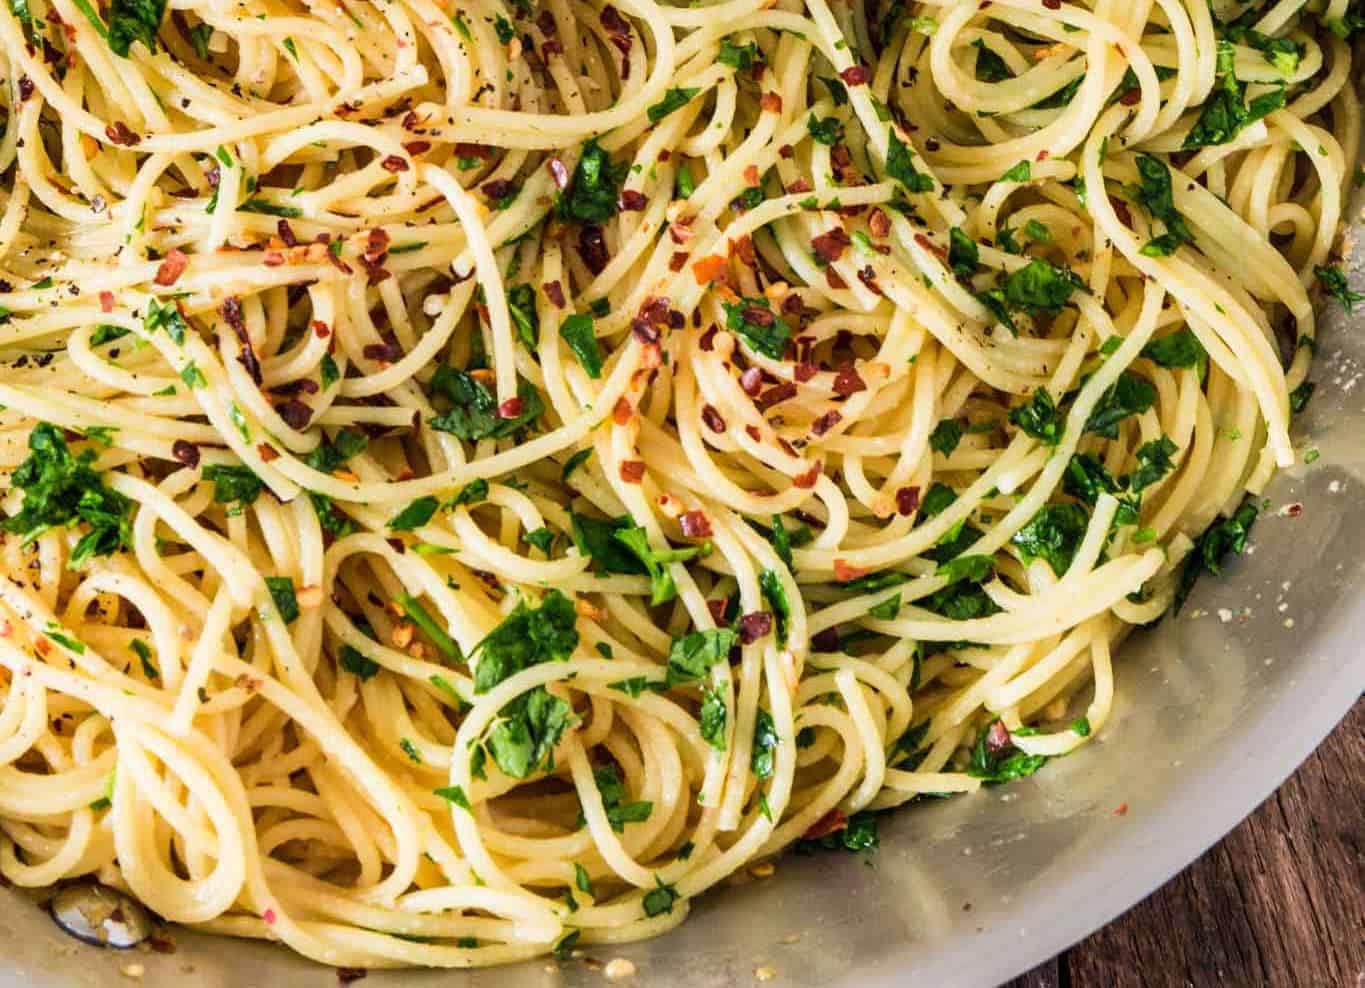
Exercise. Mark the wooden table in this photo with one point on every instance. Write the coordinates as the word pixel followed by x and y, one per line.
pixel 1279 903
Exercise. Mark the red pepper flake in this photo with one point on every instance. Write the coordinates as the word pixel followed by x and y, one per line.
pixel 751 381
pixel 1131 97
pixel 938 251
pixel 695 525
pixel 510 409
pixel 554 291
pixel 273 259
pixel 1121 810
pixel 799 186
pixel 826 641
pixel 807 480
pixel 776 395
pixel 394 164
pixel 612 20
pixel 752 432
pixel 833 280
pixel 751 175
pixel 708 269
pixel 1293 510
pixel 879 223
pixel 707 342
pixel 770 103
pixel 847 382
pixel 499 188
pixel 1053 4
pixel 843 572
pixel 559 172
pixel 376 244
pixel 1121 211
pixel 998 738
pixel 803 372
pixel 754 626
pixel 25 88
pixel 106 301
pixel 869 279
pixel 320 329
pixel 592 249
pixel 678 261
pixel 345 975
pixel 286 233
pixel 830 245
pixel 907 500
pixel 632 471
pixel 631 200
pixel 185 452
pixel 743 248
pixel 718 607
pixel 389 353
pixel 623 411
pixel 825 422
pixel 856 75
pixel 231 310
pixel 119 133
pixel 1042 155
pixel 414 148
pixel 834 820
pixel 295 414
pixel 644 330
pixel 267 452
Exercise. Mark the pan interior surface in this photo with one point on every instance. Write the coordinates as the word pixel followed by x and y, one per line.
pixel 1213 711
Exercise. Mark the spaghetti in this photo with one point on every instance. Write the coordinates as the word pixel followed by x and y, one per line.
pixel 481 475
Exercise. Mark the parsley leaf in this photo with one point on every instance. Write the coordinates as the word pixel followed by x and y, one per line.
pixel 754 320
pixel 1154 462
pixel 1039 418
pixel 995 759
pixel 674 99
pixel 1131 394
pixel 577 331
pixel 828 131
pixel 474 410
pixel 1333 281
pixel 282 593
pixel 964 256
pixel 739 57
pixel 765 744
pixel 415 515
pixel 1224 114
pixel 1180 349
pixel 990 67
pixel 692 655
pixel 64 490
pixel 900 166
pixel 1053 535
pixel 593 189
pixel 712 718
pixel 134 20
pixel 945 437
pixel 1228 535
pixel 1040 285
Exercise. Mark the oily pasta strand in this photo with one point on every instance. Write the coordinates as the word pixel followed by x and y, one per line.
pixel 480 474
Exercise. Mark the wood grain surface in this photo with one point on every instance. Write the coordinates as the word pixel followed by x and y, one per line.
pixel 1279 903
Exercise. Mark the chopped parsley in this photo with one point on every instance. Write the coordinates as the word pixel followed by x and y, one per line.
pixel 754 320
pixel 577 331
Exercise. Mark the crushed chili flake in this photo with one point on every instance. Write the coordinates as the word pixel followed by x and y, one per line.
pixel 621 414
pixel 320 329
pixel 272 259
pixel 843 572
pixel 803 372
pixel 106 301
pixel 856 75
pixel 267 452
pixel 394 164
pixel 869 279
pixel 879 223
pixel 389 353
pixel 554 291
pixel 414 148
pixel 825 422
pixel 776 395
pixel 678 261
pixel 185 452
pixel 718 606
pixel 830 245
pixel 695 525
pixel 833 280
pixel 751 381
pixel 592 249
pixel 826 640
pixel 707 342
pixel 119 133
pixel 559 172
pixel 631 200
pixel 754 626
pixel 345 975
pixel 295 413
pixel 708 269
pixel 907 500
pixel 632 471
pixel 510 409
pixel 770 102
pixel 807 480
pixel 848 382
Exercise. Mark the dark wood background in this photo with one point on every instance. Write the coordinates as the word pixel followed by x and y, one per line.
pixel 1279 903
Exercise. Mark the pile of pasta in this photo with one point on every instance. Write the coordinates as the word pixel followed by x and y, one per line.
pixel 478 475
